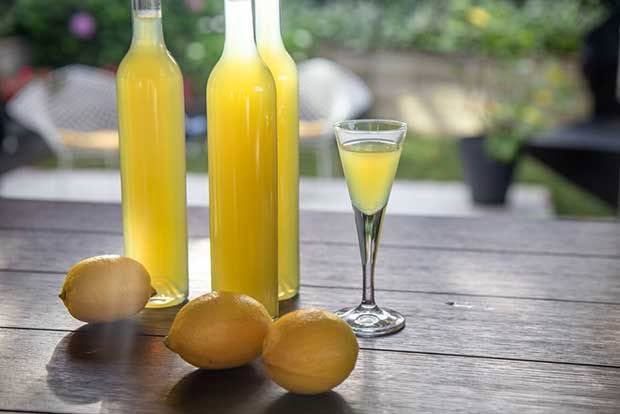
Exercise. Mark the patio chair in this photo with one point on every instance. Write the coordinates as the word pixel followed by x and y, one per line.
pixel 586 153
pixel 328 93
pixel 74 110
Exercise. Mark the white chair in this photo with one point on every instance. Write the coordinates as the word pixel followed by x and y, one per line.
pixel 74 110
pixel 328 93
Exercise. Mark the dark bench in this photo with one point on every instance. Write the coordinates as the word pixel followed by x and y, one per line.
pixel 586 153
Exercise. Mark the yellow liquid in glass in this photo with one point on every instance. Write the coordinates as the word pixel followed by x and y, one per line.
pixel 284 72
pixel 152 150
pixel 369 169
pixel 241 113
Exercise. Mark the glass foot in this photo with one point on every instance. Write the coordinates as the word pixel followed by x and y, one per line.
pixel 369 321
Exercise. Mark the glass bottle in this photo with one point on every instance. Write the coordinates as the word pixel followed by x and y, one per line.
pixel 284 71
pixel 241 119
pixel 152 150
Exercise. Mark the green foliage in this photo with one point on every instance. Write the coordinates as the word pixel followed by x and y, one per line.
pixel 489 27
pixel 195 37
pixel 189 36
pixel 528 97
pixel 46 26
pixel 7 17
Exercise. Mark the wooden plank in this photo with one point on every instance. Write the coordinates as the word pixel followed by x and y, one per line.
pixel 491 233
pixel 472 273
pixel 57 252
pixel 568 332
pixel 468 273
pixel 59 215
pixel 54 252
pixel 112 371
pixel 475 234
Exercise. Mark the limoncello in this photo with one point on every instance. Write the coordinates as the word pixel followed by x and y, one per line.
pixel 152 149
pixel 369 169
pixel 284 71
pixel 243 194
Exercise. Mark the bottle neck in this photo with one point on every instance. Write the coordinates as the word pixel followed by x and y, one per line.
pixel 147 27
pixel 239 28
pixel 268 23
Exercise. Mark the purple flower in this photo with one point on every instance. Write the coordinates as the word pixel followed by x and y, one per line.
pixel 194 5
pixel 82 25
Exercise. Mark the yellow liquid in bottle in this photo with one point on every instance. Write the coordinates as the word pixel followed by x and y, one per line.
pixel 284 73
pixel 369 169
pixel 152 150
pixel 241 113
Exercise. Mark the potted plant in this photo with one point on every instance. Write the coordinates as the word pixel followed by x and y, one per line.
pixel 522 98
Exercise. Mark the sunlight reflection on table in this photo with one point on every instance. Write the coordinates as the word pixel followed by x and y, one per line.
pixel 199 266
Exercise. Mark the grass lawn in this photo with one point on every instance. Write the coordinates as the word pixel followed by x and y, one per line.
pixel 431 160
pixel 438 160
pixel 425 159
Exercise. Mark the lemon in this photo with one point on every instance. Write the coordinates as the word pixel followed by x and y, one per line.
pixel 219 330
pixel 106 288
pixel 310 351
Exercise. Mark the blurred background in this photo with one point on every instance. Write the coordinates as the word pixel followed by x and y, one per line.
pixel 512 105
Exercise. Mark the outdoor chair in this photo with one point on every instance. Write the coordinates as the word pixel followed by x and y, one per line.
pixel 328 93
pixel 74 111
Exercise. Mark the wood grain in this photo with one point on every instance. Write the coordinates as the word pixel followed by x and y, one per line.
pixel 469 273
pixel 489 233
pixel 104 371
pixel 568 332
pixel 502 315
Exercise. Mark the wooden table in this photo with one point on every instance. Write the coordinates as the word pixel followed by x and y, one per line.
pixel 502 316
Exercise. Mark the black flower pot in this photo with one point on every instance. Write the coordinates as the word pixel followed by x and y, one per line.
pixel 487 177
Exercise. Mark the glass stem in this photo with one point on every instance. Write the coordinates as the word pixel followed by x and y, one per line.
pixel 368 234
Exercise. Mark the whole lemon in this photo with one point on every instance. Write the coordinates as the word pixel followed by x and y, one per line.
pixel 310 351
pixel 106 288
pixel 219 330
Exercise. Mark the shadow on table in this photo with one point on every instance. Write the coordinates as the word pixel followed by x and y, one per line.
pixel 81 371
pixel 246 389
pixel 156 320
pixel 288 305
pixel 112 364
pixel 221 391
pixel 328 403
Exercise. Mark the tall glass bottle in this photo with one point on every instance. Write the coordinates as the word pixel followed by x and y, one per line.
pixel 241 118
pixel 284 71
pixel 152 149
